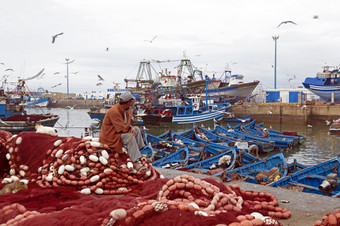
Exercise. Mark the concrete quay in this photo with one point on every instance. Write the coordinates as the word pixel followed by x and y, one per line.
pixel 78 104
pixel 306 208
pixel 288 113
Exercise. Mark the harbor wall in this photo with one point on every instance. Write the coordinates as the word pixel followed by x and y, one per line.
pixel 288 113
pixel 78 104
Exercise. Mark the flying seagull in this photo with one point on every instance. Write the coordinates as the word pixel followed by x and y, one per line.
pixel 107 49
pixel 315 17
pixel 285 22
pixel 99 84
pixel 9 69
pixel 56 85
pixel 35 76
pixel 151 39
pixel 55 36
pixel 55 73
pixel 100 78
pixel 71 108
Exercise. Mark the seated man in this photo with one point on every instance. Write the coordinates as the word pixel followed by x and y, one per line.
pixel 116 130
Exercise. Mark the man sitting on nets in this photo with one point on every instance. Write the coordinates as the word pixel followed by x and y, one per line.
pixel 117 132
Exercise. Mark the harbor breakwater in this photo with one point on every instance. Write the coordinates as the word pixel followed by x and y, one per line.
pixel 281 113
pixel 76 104
pixel 288 113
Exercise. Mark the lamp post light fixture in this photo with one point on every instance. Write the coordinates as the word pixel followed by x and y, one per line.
pixel 275 38
pixel 67 63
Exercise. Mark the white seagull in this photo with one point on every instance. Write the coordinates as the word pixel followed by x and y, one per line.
pixel 71 108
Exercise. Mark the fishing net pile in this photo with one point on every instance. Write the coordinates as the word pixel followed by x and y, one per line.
pixel 329 219
pixel 79 181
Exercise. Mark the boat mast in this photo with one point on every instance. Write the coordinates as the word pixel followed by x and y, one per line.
pixel 144 70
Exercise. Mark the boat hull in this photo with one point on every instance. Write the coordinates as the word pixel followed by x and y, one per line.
pixel 41 102
pixel 27 125
pixel 325 91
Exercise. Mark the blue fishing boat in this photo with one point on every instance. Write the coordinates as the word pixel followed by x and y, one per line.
pixel 326 84
pixel 191 110
pixel 148 152
pixel 214 162
pixel 293 134
pixel 322 179
pixel 265 133
pixel 37 99
pixel 279 142
pixel 176 159
pixel 260 172
pixel 264 146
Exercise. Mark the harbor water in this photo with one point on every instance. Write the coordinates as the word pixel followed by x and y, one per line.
pixel 319 145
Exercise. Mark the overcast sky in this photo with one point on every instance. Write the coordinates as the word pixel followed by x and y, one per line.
pixel 212 33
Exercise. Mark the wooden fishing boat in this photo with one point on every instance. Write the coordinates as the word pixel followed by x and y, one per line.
pixel 335 128
pixel 279 142
pixel 263 146
pixel 261 172
pixel 20 123
pixel 251 128
pixel 176 159
pixel 322 179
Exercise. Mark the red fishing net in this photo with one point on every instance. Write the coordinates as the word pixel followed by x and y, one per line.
pixel 72 182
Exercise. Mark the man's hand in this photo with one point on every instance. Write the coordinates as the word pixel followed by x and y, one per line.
pixel 133 131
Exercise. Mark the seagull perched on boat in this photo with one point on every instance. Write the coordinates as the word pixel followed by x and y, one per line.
pixel 269 112
pixel 285 22
pixel 100 78
pixel 309 126
pixel 55 36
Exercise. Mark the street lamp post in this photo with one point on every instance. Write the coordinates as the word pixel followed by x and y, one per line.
pixel 275 38
pixel 67 63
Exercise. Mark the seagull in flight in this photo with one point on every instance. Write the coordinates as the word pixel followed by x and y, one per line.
pixel 99 84
pixel 55 36
pixel 100 78
pixel 315 17
pixel 285 22
pixel 56 85
pixel 55 73
pixel 151 39
pixel 9 69
pixel 71 108
pixel 107 49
